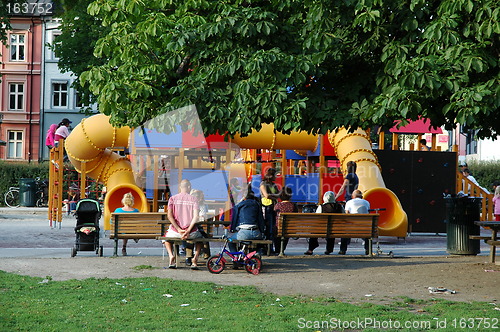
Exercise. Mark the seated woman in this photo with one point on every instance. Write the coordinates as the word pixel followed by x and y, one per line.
pixel 247 220
pixel 128 206
pixel 329 206
pixel 283 206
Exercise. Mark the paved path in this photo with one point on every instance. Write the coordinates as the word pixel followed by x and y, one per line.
pixel 26 232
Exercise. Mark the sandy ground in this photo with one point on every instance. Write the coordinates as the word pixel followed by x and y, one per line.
pixel 351 278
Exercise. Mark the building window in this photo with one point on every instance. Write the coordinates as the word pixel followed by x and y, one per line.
pixel 78 100
pixel 16 96
pixel 60 94
pixel 17 47
pixel 15 144
pixel 55 44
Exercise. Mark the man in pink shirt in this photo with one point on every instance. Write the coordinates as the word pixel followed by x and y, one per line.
pixel 183 212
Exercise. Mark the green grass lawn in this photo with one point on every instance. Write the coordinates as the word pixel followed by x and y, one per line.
pixel 146 304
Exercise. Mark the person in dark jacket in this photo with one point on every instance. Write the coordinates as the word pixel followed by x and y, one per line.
pixel 329 206
pixel 247 220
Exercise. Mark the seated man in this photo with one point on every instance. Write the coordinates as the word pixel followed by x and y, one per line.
pixel 247 220
pixel 183 214
pixel 358 205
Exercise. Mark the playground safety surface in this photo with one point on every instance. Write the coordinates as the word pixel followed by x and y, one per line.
pixel 29 246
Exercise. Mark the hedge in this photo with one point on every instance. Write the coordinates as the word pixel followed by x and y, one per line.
pixel 11 172
pixel 485 172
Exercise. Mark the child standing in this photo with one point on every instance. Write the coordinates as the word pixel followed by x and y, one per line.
pixel 496 202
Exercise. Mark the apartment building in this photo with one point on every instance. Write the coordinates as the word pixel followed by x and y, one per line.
pixel 34 93
pixel 20 89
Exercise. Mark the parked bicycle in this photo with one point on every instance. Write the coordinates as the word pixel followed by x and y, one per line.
pixel 250 261
pixel 11 197
pixel 42 194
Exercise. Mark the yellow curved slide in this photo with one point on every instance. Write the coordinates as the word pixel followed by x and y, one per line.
pixel 268 138
pixel 356 147
pixel 90 143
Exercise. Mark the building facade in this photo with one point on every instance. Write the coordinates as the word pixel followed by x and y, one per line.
pixel 20 89
pixel 58 99
pixel 34 93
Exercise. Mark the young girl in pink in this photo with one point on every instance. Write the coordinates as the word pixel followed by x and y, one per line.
pixel 496 202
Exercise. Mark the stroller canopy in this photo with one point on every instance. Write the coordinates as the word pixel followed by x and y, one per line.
pixel 88 211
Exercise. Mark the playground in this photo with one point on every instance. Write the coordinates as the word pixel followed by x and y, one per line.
pixel 411 201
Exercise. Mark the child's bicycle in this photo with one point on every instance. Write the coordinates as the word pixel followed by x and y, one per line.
pixel 250 261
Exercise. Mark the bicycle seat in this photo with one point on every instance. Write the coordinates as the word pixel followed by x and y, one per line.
pixel 246 243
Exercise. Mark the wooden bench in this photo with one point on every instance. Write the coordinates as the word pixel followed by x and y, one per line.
pixel 139 225
pixel 152 225
pixel 492 241
pixel 327 225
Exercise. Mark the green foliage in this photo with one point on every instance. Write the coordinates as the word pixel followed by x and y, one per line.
pixel 10 173
pixel 311 65
pixel 485 172
pixel 163 304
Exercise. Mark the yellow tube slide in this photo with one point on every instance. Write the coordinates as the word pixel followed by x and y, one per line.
pixel 267 138
pixel 356 147
pixel 88 146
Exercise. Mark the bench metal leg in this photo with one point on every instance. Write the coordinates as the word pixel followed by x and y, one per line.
pixel 176 254
pixel 493 248
pixel 370 248
pixel 282 251
pixel 115 253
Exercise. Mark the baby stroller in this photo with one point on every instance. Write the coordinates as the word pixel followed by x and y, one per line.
pixel 88 212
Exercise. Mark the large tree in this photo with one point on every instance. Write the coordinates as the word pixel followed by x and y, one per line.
pixel 302 64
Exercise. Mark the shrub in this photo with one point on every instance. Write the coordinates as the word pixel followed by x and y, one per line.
pixel 485 172
pixel 11 172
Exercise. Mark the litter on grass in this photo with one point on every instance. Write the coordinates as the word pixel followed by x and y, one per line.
pixel 440 290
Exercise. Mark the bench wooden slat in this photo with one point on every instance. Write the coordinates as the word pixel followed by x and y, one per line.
pixel 478 237
pixel 327 225
pixel 137 225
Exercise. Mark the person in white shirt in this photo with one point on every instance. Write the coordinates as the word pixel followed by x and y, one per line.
pixel 472 179
pixel 358 205
pixel 62 130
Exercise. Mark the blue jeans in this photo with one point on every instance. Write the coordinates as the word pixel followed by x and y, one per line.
pixel 245 234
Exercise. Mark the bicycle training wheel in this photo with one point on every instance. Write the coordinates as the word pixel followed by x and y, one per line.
pixel 215 264
pixel 253 265
pixel 12 198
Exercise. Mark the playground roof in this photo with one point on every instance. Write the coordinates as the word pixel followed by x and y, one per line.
pixel 420 126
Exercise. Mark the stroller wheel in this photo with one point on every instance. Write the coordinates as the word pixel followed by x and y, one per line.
pixel 73 252
pixel 99 251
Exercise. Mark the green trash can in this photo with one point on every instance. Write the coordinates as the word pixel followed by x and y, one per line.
pixel 27 192
pixel 461 212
